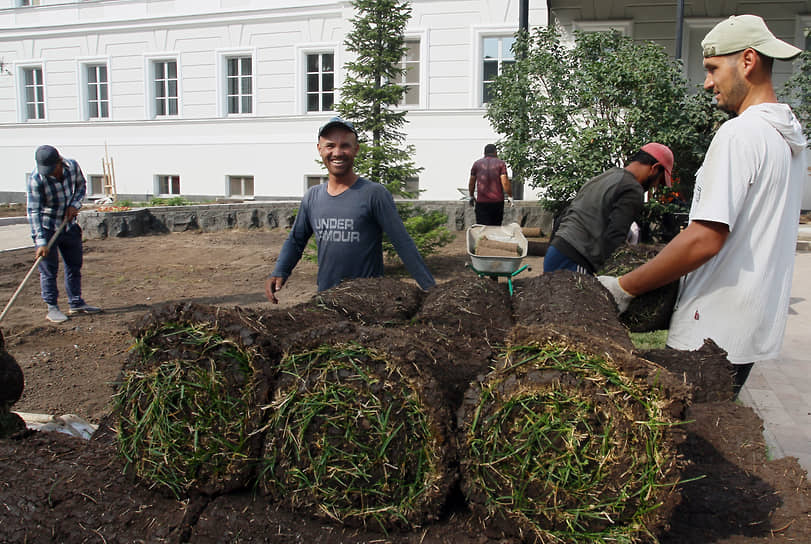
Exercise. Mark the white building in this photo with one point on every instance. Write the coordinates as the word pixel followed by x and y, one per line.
pixel 223 98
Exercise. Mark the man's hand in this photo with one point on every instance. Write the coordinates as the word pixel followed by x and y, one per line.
pixel 510 200
pixel 71 213
pixel 472 200
pixel 272 285
pixel 42 251
pixel 622 297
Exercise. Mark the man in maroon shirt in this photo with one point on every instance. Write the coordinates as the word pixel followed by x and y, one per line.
pixel 488 178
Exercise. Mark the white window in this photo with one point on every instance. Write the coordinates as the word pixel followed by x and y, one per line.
pixel 26 3
pixel 496 54
pixel 33 93
pixel 320 77
pixel 239 84
pixel 97 91
pixel 240 186
pixel 95 184
pixel 411 78
pixel 624 27
pixel 412 186
pixel 312 181
pixel 165 87
pixel 167 185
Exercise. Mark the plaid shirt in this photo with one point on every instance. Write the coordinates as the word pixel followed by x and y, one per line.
pixel 48 199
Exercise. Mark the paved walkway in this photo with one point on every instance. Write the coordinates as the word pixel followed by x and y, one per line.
pixel 779 391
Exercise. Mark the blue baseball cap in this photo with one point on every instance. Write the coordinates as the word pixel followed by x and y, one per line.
pixel 337 122
pixel 47 158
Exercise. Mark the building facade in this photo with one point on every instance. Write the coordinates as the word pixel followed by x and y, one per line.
pixel 223 98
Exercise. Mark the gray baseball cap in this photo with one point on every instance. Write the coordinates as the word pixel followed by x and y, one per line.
pixel 740 32
pixel 337 122
pixel 47 158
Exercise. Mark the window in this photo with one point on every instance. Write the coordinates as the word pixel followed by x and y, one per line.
pixel 412 186
pixel 96 182
pixel 239 85
pixel 320 81
pixel 33 93
pixel 168 185
pixel 26 3
pixel 496 54
pixel 166 94
pixel 312 181
pixel 411 79
pixel 240 185
pixel 98 98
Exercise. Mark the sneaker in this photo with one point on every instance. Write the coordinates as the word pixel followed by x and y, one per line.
pixel 83 309
pixel 55 314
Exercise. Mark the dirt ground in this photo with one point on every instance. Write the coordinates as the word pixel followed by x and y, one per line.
pixel 55 488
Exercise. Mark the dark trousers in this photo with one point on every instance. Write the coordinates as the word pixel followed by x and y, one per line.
pixel 490 213
pixel 69 245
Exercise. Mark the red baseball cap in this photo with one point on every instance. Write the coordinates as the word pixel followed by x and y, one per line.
pixel 664 155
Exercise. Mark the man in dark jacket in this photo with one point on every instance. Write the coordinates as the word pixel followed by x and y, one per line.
pixel 598 219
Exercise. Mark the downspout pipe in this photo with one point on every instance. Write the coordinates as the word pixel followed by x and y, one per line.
pixel 679 27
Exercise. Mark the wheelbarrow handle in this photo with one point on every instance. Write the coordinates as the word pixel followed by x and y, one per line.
pixel 31 271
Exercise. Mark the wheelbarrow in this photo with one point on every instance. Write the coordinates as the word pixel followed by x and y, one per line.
pixel 497 251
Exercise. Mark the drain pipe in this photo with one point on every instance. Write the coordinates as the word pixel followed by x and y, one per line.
pixel 679 27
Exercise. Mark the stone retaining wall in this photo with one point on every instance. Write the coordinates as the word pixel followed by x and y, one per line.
pixel 256 215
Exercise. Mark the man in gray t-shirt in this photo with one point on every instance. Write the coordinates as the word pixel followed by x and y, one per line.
pixel 348 216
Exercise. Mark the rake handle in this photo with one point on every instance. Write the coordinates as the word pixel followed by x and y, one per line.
pixel 31 271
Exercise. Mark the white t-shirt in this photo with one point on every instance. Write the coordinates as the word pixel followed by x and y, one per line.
pixel 752 181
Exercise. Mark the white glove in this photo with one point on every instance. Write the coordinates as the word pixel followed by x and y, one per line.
pixel 622 297
pixel 510 200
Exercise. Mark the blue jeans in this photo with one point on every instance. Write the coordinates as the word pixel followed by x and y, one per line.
pixel 555 260
pixel 69 245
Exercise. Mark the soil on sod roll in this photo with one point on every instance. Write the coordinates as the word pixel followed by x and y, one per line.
pixel 357 435
pixel 559 445
pixel 651 311
pixel 187 409
pixel 61 489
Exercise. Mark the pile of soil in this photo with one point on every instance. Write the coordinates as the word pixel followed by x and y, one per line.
pixel 60 489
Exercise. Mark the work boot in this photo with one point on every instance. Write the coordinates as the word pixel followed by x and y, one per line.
pixel 83 309
pixel 55 314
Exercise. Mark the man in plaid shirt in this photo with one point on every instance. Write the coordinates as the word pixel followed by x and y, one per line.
pixel 55 191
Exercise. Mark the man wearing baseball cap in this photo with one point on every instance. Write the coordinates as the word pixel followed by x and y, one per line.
pixel 597 220
pixel 737 253
pixel 348 216
pixel 56 188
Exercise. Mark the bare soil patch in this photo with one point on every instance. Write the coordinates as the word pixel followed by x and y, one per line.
pixel 60 489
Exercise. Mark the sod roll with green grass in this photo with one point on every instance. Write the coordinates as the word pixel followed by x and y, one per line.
pixel 354 437
pixel 187 410
pixel 562 447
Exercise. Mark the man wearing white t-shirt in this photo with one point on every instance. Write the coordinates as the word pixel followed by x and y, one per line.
pixel 738 250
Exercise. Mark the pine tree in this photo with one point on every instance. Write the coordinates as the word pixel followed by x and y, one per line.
pixel 371 91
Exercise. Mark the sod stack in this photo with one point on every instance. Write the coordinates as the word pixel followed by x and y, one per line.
pixel 571 438
pixel 187 408
pixel 651 311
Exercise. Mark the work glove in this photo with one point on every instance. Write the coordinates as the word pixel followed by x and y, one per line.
pixel 622 297
pixel 472 201
pixel 510 200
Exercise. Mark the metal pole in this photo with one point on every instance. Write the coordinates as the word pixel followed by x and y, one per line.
pixel 679 27
pixel 523 15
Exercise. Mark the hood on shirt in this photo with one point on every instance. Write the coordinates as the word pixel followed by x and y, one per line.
pixel 783 120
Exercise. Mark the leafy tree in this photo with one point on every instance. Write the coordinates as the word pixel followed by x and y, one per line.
pixel 569 113
pixel 797 92
pixel 371 92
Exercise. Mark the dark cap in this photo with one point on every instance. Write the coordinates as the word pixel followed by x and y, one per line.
pixel 47 159
pixel 337 122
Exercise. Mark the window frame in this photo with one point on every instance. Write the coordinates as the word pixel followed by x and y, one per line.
pixel 150 95
pixel 223 56
pixel 477 72
pixel 302 52
pixel 624 26
pixel 90 179
pixel 83 66
pixel 242 177
pixel 323 178
pixel 156 189
pixel 422 72
pixel 22 101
